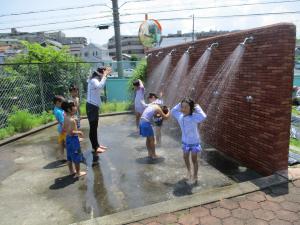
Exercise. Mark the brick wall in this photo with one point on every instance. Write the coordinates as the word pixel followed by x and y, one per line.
pixel 256 133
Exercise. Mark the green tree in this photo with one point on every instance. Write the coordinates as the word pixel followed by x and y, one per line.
pixel 134 58
pixel 139 73
pixel 32 78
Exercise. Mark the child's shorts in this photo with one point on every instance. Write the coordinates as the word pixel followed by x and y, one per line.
pixel 61 137
pixel 158 121
pixel 73 149
pixel 146 129
pixel 194 148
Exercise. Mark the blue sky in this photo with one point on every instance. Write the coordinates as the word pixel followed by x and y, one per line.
pixel 101 36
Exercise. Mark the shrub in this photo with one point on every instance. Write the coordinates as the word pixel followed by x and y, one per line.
pixel 6 132
pixel 139 73
pixel 45 118
pixel 21 121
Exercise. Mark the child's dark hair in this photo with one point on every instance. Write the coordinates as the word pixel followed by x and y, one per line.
pixel 165 109
pixel 151 95
pixel 191 103
pixel 67 105
pixel 136 83
pixel 73 87
pixel 100 70
pixel 58 98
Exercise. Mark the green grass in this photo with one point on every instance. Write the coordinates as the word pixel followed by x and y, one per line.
pixel 22 121
pixel 6 132
pixel 295 112
pixel 296 144
pixel 83 108
pixel 107 107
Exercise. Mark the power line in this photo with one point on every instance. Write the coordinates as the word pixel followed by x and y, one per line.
pixel 180 18
pixel 162 11
pixel 212 7
pixel 52 23
pixel 207 7
pixel 218 17
pixel 64 9
pixel 52 10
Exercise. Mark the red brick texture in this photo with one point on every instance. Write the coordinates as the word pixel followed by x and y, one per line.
pixel 256 133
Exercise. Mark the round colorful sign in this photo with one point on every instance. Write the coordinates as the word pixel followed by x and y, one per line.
pixel 150 33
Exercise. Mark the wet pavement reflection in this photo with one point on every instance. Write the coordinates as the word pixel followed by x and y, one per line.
pixel 121 178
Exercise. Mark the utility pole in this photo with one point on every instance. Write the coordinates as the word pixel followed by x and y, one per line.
pixel 117 37
pixel 193 28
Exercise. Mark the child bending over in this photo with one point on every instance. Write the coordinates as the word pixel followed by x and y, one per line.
pixel 146 129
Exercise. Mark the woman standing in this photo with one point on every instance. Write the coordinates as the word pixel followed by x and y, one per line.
pixel 95 84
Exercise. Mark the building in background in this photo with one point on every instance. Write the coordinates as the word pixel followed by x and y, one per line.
pixel 181 38
pixel 94 53
pixel 9 47
pixel 130 45
pixel 75 44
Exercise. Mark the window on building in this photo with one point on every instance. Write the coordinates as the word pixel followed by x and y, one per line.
pixel 86 54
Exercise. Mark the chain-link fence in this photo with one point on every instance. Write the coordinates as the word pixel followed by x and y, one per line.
pixel 31 86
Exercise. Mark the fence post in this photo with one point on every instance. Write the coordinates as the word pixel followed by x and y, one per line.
pixel 78 83
pixel 41 88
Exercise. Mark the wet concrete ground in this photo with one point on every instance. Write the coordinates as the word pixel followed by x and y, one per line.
pixel 35 188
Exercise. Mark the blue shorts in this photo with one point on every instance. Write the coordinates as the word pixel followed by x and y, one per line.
pixel 146 129
pixel 194 148
pixel 158 121
pixel 73 149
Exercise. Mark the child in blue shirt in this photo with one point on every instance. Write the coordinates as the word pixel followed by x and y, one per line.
pixel 59 115
pixel 189 116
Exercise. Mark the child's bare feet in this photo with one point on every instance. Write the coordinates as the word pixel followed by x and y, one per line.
pixel 195 180
pixel 189 176
pixel 100 150
pixel 80 174
pixel 154 156
pixel 103 147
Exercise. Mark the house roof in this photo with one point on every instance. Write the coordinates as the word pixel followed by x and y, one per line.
pixel 4 48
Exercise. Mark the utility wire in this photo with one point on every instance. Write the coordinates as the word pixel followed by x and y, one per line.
pixel 216 17
pixel 93 5
pixel 52 10
pixel 179 18
pixel 208 7
pixel 57 22
pixel 211 7
pixel 162 11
